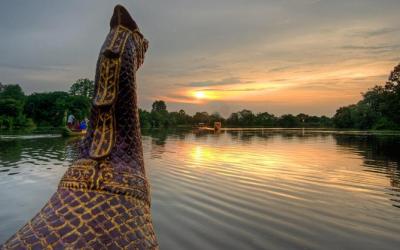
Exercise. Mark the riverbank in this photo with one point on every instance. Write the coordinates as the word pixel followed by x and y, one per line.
pixel 321 130
pixel 60 130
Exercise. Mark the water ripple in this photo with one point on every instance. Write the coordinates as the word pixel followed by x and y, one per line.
pixel 239 189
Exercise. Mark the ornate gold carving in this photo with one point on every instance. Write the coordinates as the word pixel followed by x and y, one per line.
pixel 102 176
pixel 110 65
pixel 141 45
pixel 103 135
pixel 81 175
pixel 106 95
pixel 118 42
pixel 107 89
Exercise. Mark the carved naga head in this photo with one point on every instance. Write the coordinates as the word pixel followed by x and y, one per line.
pixel 114 120
pixel 103 199
pixel 122 22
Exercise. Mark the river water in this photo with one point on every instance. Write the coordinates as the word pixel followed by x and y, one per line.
pixel 236 189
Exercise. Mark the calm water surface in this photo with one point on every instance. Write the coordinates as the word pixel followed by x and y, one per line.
pixel 237 190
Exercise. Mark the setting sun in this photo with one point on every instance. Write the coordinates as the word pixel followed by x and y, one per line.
pixel 199 94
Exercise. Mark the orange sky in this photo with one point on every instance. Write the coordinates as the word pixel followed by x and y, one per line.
pixel 285 56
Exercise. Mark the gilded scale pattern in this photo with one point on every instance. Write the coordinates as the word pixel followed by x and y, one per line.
pixel 103 200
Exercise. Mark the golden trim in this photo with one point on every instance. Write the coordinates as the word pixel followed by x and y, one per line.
pixel 107 89
pixel 102 176
pixel 103 135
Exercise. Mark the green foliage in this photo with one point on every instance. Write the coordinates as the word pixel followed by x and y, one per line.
pixel 246 118
pixel 159 117
pixel 47 109
pixel 82 87
pixel 159 106
pixel 10 107
pixel 201 117
pixel 288 121
pixel 12 100
pixel 12 91
pixel 379 108
pixel 79 106
pixel 215 117
pixel 344 117
pixel 265 119
pixel 145 119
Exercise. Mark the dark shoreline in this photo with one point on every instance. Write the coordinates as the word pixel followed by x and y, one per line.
pixel 59 130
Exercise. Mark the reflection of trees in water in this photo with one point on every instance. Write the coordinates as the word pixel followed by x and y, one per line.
pixel 198 134
pixel 16 151
pixel 159 137
pixel 246 136
pixel 380 153
pixel 10 151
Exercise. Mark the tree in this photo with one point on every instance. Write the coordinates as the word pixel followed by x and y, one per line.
pixel 79 106
pixel 325 122
pixel 182 118
pixel 288 121
pixel 344 117
pixel 302 119
pixel 246 117
pixel 265 119
pixel 12 91
pixel 82 87
pixel 216 117
pixel 395 75
pixel 10 107
pixel 159 106
pixel 159 115
pixel 201 117
pixel 379 108
pixel 47 109
pixel 12 100
pixel 145 119
pixel 233 119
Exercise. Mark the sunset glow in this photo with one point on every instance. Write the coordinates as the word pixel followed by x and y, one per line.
pixel 274 60
pixel 199 94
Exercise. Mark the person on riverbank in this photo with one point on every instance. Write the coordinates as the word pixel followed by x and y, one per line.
pixel 83 125
pixel 70 121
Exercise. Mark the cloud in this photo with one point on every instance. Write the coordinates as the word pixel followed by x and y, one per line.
pixel 226 81
pixel 177 99
pixel 236 90
pixel 374 32
pixel 35 67
pixel 278 69
pixel 214 45
pixel 373 48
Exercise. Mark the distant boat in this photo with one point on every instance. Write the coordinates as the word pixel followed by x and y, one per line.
pixel 73 132
pixel 203 127
pixel 217 126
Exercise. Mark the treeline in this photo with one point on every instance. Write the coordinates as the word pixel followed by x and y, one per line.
pixel 18 111
pixel 379 108
pixel 159 117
